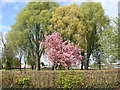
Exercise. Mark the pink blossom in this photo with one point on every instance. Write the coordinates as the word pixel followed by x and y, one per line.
pixel 61 52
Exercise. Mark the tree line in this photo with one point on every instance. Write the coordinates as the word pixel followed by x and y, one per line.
pixel 85 24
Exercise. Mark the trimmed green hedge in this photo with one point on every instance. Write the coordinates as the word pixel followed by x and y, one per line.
pixel 61 79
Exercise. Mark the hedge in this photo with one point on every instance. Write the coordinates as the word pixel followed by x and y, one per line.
pixel 61 79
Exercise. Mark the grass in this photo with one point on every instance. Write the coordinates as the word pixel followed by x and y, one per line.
pixel 49 69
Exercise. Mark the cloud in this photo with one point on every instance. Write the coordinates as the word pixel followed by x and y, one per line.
pixel 16 7
pixel 4 28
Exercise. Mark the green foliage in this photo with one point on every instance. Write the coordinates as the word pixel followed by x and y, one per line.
pixel 109 44
pixel 21 80
pixel 87 26
pixel 68 20
pixel 61 79
pixel 70 80
pixel 94 21
pixel 17 40
pixel 33 20
pixel 8 57
pixel 15 63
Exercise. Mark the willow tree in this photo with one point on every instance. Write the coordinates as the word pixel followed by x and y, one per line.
pixel 95 22
pixel 34 19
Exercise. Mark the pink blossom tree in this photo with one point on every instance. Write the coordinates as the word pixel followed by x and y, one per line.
pixel 59 52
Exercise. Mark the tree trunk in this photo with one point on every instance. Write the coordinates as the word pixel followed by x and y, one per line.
pixel 60 66
pixel 66 68
pixel 38 56
pixel 87 63
pixel 82 65
pixel 9 66
pixel 53 67
pixel 56 67
pixel 20 63
pixel 6 66
pixel 99 64
pixel 0 65
pixel 87 56
pixel 37 62
pixel 32 66
pixel 25 66
pixel 82 62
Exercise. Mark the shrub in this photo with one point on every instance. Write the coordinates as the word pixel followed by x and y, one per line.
pixel 70 80
pixel 61 79
pixel 22 80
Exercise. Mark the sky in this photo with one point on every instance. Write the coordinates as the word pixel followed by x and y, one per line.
pixel 10 8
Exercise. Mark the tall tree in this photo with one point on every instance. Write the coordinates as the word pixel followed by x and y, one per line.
pixel 34 18
pixel 7 53
pixel 109 44
pixel 18 41
pixel 68 20
pixel 95 21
